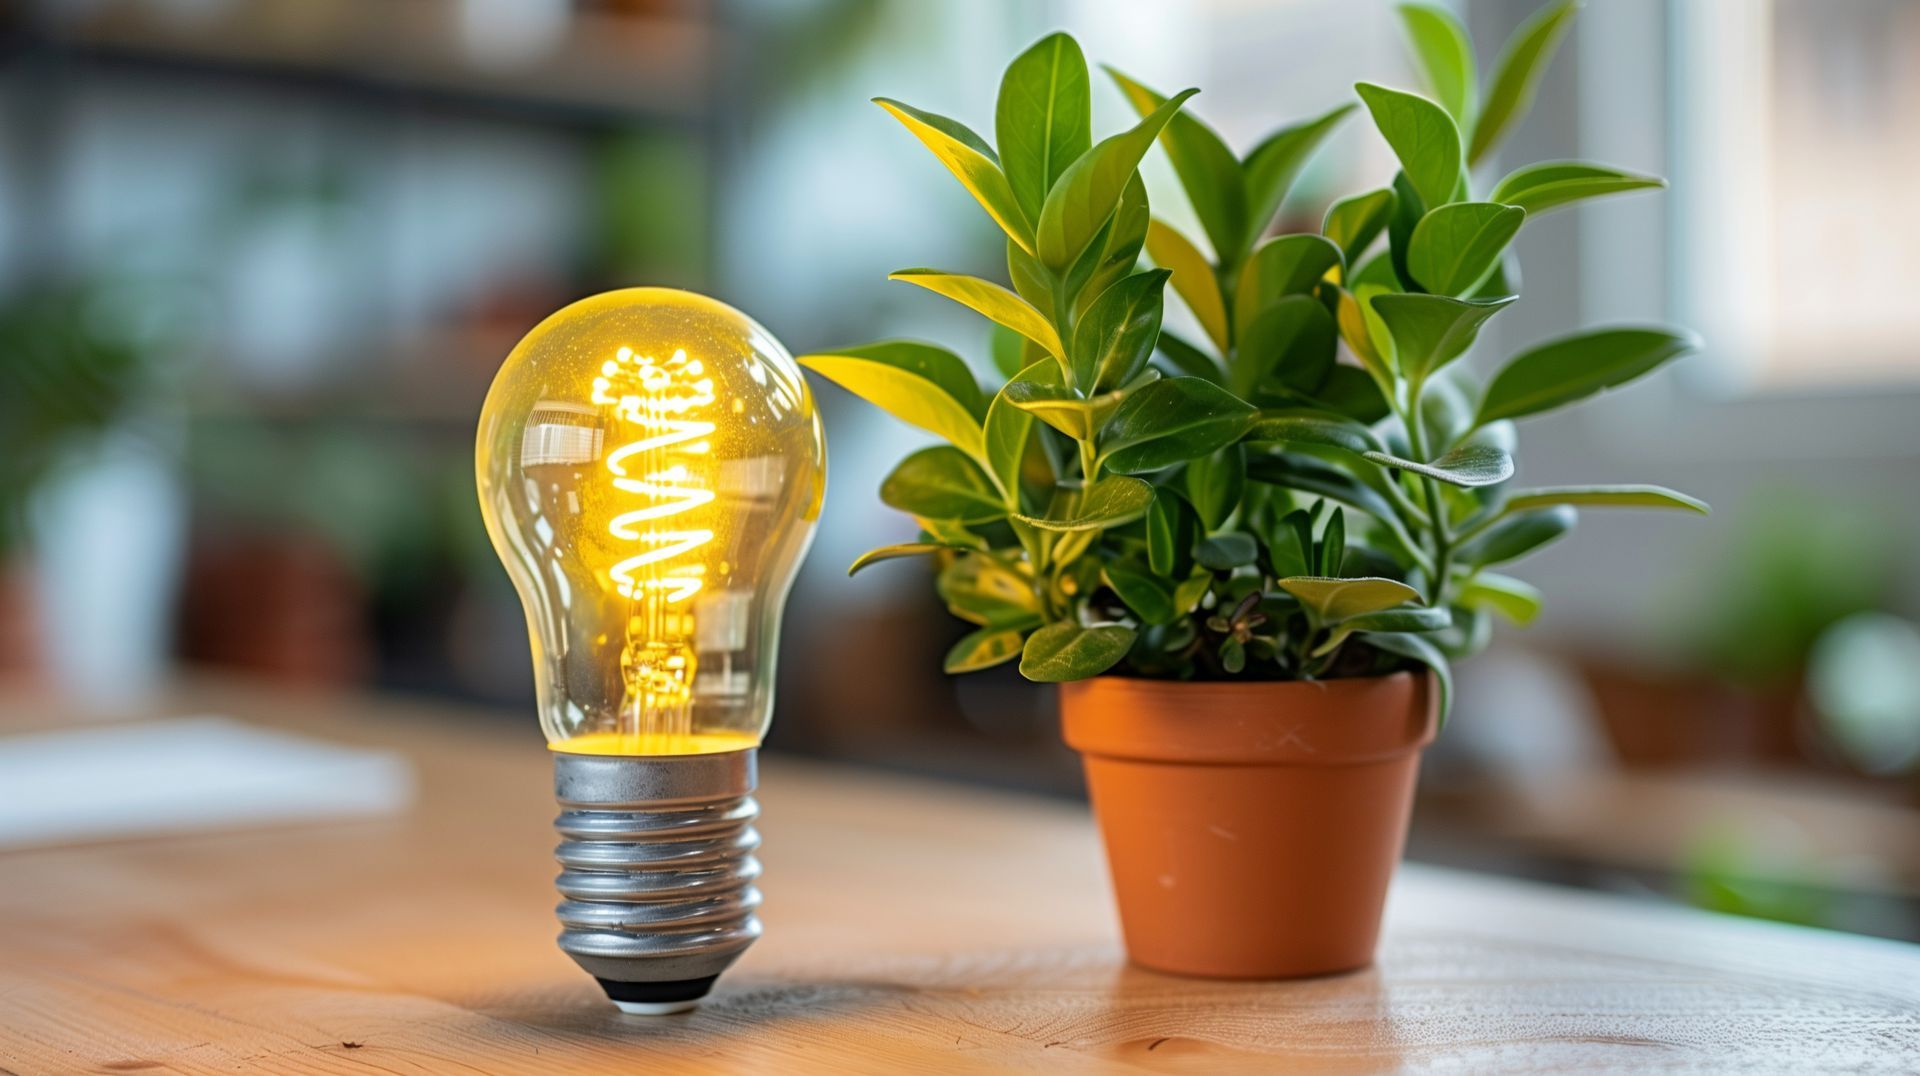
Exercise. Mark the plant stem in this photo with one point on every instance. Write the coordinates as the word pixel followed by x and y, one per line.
pixel 1436 508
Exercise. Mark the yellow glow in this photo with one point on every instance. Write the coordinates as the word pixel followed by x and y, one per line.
pixel 654 398
pixel 692 743
pixel 651 468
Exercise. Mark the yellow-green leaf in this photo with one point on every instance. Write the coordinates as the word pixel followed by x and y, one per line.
pixel 1068 651
pixel 971 162
pixel 1334 600
pixel 1193 279
pixel 983 649
pixel 912 382
pixel 1007 428
pixel 1625 496
pixel 1503 594
pixel 991 300
pixel 893 552
pixel 1111 501
pixel 1208 170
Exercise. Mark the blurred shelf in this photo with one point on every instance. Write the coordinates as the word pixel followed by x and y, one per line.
pixel 603 69
pixel 1655 819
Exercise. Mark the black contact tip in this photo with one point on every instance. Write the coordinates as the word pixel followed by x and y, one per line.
pixel 658 993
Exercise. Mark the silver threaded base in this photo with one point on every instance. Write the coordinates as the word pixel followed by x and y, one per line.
pixel 657 872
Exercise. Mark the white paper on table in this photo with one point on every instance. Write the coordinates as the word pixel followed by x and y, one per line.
pixel 184 775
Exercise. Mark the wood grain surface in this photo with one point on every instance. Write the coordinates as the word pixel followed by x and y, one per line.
pixel 910 927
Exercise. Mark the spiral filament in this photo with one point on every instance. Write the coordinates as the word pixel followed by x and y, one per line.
pixel 662 402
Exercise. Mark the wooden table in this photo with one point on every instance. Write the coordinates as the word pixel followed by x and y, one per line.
pixel 910 927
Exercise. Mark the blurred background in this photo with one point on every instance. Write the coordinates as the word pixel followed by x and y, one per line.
pixel 260 258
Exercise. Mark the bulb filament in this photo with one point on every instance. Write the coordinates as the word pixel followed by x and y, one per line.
pixel 662 402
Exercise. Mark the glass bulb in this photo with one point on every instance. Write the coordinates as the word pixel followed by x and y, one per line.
pixel 651 469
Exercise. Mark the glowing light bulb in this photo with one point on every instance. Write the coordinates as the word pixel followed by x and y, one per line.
pixel 650 469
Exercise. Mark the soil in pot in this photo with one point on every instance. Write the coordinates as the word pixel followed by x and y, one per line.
pixel 1251 828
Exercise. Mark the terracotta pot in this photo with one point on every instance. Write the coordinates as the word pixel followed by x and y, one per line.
pixel 1251 828
pixel 1655 717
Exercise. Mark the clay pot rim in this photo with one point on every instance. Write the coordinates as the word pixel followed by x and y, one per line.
pixel 1343 722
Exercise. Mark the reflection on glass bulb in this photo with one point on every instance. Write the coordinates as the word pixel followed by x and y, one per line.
pixel 650 469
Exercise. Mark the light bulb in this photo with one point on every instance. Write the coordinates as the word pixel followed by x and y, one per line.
pixel 651 468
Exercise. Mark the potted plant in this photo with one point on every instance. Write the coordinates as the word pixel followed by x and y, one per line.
pixel 1247 561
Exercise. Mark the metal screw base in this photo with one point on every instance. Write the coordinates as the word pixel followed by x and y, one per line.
pixel 657 872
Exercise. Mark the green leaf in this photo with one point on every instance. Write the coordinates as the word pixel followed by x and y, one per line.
pixel 1144 593
pixel 980 590
pixel 1188 359
pixel 1043 120
pixel 1356 324
pixel 1309 476
pixel 942 482
pixel 1171 530
pixel 1503 594
pixel 1571 368
pixel 1468 466
pixel 1457 245
pixel 1109 502
pixel 1233 654
pixel 1395 620
pixel 1214 483
pixel 1417 648
pixel 1608 496
pixel 1288 265
pixel 1408 208
pixel 1290 545
pixel 1292 339
pixel 1187 594
pixel 1067 651
pixel 971 162
pixel 919 384
pixel 1430 331
pixel 1088 192
pixel 1518 535
pixel 1208 170
pixel 1273 166
pixel 1115 250
pixel 1193 279
pixel 1031 280
pixel 1446 414
pixel 1225 552
pixel 1522 62
pixel 1422 135
pixel 983 649
pixel 1352 392
pixel 1353 223
pixel 1007 429
pixel 1445 53
pixel 1551 184
pixel 991 300
pixel 1115 338
pixel 1333 600
pixel 1009 351
pixel 892 552
pixel 1314 429
pixel 1169 422
pixel 1333 545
